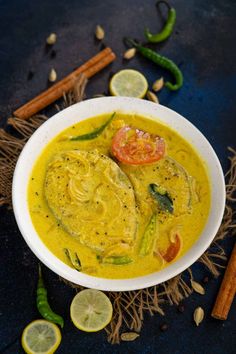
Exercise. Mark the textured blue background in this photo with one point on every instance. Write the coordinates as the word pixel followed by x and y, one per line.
pixel 203 44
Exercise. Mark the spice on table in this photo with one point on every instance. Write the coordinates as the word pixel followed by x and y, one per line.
pixel 205 280
pixel 198 288
pixel 51 39
pixel 129 54
pixel 227 290
pixel 181 308
pixel 53 54
pixel 99 32
pixel 30 75
pixel 164 327
pixel 158 84
pixel 198 315
pixel 129 336
pixel 167 29
pixel 152 97
pixel 89 69
pixel 52 75
pixel 162 61
pixel 43 305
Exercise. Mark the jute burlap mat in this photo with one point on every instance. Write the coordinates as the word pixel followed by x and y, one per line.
pixel 129 307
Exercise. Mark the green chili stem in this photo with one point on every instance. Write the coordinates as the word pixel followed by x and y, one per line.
pixel 161 61
pixel 94 134
pixel 43 305
pixel 167 29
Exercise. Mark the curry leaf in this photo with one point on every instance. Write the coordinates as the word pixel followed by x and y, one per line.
pixel 162 197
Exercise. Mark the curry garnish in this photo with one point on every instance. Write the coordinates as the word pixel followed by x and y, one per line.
pixel 73 258
pixel 148 238
pixel 95 133
pixel 162 197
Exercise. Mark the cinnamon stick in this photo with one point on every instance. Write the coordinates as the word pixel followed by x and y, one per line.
pixel 227 290
pixel 90 68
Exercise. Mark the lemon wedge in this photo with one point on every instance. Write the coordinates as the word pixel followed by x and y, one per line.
pixel 129 83
pixel 91 310
pixel 41 337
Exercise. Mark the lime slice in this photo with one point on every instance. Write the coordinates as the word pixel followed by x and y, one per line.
pixel 91 310
pixel 129 83
pixel 41 337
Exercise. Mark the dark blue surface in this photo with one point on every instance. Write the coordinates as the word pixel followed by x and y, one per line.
pixel 203 44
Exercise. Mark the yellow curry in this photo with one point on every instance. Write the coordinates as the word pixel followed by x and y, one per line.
pixel 119 196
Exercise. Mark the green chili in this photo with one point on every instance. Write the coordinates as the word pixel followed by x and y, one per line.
pixel 162 197
pixel 43 305
pixel 161 61
pixel 167 29
pixel 95 133
pixel 117 260
pixel 73 258
pixel 148 237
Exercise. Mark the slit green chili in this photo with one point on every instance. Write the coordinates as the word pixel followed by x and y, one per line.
pixel 167 29
pixel 73 258
pixel 162 197
pixel 117 260
pixel 162 61
pixel 43 305
pixel 148 237
pixel 95 133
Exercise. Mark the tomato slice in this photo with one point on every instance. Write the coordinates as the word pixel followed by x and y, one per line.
pixel 173 250
pixel 136 147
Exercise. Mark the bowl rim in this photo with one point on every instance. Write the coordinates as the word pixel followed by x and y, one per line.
pixel 48 130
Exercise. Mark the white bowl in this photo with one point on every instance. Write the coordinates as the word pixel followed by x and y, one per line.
pixel 90 108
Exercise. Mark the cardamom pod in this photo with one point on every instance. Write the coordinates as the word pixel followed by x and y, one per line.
pixel 158 84
pixel 130 53
pixel 129 336
pixel 52 75
pixel 99 32
pixel 197 287
pixel 152 97
pixel 198 315
pixel 52 38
